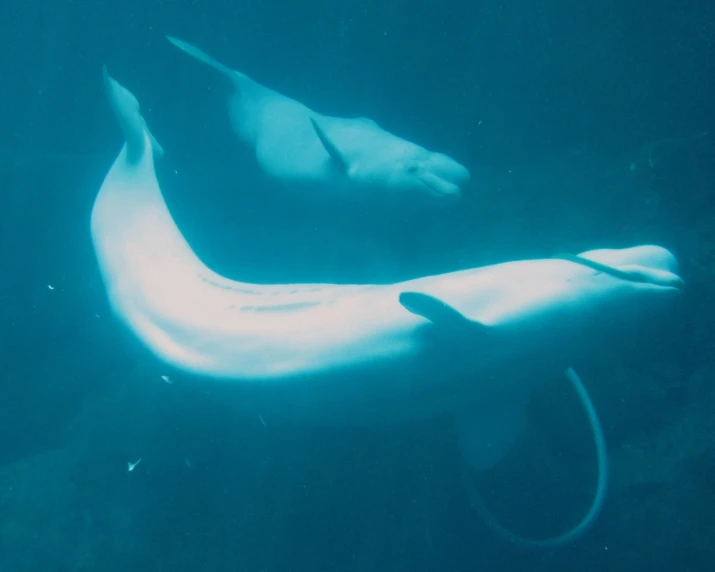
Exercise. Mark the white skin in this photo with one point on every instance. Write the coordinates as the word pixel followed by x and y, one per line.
pixel 383 353
pixel 289 149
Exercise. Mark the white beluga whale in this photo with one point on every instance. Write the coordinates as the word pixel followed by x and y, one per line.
pixel 297 145
pixel 471 344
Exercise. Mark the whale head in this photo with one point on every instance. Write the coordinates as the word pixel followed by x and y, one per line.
pixel 647 268
pixel 434 175
pixel 629 286
pixel 371 157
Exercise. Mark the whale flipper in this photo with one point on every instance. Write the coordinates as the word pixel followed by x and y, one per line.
pixel 437 311
pixel 338 158
pixel 201 56
pixel 131 122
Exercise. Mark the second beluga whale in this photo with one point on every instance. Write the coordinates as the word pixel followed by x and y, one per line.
pixel 472 344
pixel 297 145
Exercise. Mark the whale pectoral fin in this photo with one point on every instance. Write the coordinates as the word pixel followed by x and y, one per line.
pixel 436 311
pixel 156 147
pixel 203 57
pixel 131 122
pixel 335 154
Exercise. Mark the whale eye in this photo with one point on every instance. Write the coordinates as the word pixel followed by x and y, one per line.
pixel 412 169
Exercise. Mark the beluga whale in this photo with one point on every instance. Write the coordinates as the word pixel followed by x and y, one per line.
pixel 355 157
pixel 473 344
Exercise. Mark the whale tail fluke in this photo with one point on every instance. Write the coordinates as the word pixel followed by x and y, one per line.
pixel 203 57
pixel 598 499
pixel 127 111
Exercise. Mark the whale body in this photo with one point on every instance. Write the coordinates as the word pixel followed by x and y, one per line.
pixel 474 344
pixel 299 146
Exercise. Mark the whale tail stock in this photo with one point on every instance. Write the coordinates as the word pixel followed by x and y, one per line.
pixel 128 113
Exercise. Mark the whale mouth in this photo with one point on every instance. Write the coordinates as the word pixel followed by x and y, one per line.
pixel 657 277
pixel 440 187
pixel 653 276
pixel 443 177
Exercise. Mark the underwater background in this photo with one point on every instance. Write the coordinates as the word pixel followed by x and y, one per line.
pixel 584 125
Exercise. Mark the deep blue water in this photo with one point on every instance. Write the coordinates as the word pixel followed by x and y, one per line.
pixel 580 124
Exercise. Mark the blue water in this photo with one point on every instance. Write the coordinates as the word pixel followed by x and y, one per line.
pixel 581 124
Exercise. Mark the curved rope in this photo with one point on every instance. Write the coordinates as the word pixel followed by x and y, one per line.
pixel 598 499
